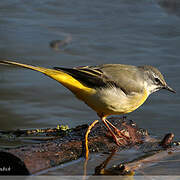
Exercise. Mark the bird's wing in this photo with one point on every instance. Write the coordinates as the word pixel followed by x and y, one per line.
pixel 124 77
pixel 87 75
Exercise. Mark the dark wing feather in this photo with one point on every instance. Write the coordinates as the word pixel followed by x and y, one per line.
pixel 89 76
pixel 124 77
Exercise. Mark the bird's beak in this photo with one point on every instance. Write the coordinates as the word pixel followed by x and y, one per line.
pixel 169 89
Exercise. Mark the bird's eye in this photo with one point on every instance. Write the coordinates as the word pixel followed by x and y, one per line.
pixel 157 80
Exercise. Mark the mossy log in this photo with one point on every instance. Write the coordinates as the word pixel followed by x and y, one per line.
pixel 66 146
pixel 154 152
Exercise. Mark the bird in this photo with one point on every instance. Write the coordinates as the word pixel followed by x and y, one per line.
pixel 109 89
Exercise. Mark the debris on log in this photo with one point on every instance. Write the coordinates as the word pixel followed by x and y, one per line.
pixel 157 152
pixel 68 145
pixel 167 140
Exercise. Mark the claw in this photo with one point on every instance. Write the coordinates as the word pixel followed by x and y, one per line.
pixel 118 135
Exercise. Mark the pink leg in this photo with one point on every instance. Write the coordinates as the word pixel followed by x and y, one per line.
pixel 118 136
pixel 117 130
pixel 117 139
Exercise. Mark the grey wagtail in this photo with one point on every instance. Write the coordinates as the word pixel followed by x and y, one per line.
pixel 109 89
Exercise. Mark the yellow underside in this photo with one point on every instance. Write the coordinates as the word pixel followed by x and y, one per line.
pixel 137 101
pixel 130 104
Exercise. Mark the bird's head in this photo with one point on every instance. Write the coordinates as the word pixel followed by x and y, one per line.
pixel 154 80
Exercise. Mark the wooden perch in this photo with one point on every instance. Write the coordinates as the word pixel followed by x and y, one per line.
pixel 155 152
pixel 69 145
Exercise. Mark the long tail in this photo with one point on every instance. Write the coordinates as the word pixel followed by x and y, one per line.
pixel 35 68
pixel 66 80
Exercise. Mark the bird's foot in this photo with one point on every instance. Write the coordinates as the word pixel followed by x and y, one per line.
pixel 121 137
pixel 122 133
pixel 121 140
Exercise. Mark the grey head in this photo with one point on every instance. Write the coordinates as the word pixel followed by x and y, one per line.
pixel 154 80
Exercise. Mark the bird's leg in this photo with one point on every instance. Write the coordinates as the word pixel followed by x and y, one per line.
pixel 112 133
pixel 119 133
pixel 86 137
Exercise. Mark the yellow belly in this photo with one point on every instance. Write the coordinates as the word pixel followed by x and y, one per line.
pixel 136 101
pixel 110 105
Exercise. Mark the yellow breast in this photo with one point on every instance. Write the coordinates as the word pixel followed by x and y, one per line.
pixel 114 101
pixel 136 100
